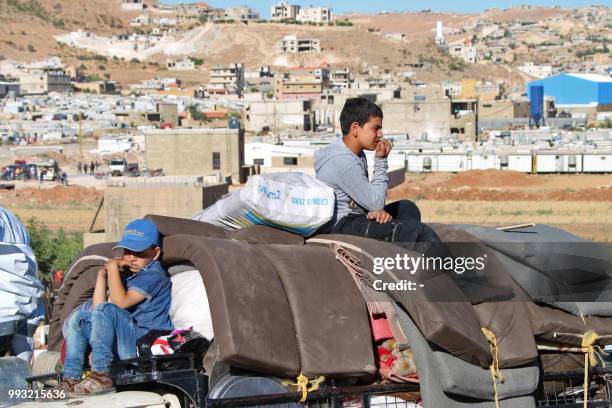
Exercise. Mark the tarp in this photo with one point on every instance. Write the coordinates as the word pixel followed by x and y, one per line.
pixel 20 288
pixel 554 267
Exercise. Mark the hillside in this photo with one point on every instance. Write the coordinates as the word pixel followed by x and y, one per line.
pixel 35 22
pixel 28 29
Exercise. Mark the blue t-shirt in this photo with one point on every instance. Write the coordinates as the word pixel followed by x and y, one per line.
pixel 155 285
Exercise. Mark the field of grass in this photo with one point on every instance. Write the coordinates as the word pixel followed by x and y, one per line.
pixel 72 217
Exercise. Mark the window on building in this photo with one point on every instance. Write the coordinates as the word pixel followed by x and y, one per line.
pixel 290 161
pixel 216 161
pixel 258 161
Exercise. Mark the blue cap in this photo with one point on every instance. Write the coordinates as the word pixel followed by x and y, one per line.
pixel 139 235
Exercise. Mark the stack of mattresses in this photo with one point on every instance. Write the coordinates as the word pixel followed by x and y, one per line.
pixel 282 308
pixel 566 277
pixel 443 326
pixel 277 308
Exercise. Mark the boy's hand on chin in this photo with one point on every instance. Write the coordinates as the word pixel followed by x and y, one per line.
pixel 117 264
pixel 383 148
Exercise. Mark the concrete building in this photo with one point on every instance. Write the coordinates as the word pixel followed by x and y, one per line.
pixel 196 152
pixel 424 113
pixel 578 90
pixel 277 116
pixel 472 89
pixel 8 88
pixel 132 5
pixel 503 109
pixel 292 44
pixel 126 199
pixel 242 13
pixel 98 87
pixel 301 83
pixel 466 52
pixel 396 36
pixel 226 79
pixel 315 15
pixel 193 9
pixel 284 11
pixel 186 64
pixel 536 71
pixel 341 78
pixel 168 113
pixel 42 81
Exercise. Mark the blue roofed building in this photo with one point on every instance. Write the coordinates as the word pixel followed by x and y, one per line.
pixel 577 90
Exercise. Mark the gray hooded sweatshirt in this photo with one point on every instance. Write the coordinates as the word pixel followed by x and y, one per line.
pixel 345 172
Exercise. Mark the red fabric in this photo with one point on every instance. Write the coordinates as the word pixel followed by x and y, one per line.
pixel 380 327
pixel 63 352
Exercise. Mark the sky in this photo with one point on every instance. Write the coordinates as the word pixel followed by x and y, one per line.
pixel 344 6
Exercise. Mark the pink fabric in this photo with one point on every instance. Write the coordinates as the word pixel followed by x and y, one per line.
pixel 381 330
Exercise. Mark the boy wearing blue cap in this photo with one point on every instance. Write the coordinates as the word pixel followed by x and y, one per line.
pixel 136 305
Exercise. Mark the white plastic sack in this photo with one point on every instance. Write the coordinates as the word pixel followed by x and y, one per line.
pixel 20 289
pixel 294 202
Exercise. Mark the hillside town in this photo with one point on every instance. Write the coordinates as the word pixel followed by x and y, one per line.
pixel 219 205
pixel 51 100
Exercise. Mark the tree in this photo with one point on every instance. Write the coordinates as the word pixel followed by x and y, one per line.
pixel 196 114
pixel 53 250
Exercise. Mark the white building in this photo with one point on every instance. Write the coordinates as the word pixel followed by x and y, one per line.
pixel 185 64
pixel 396 36
pixel 292 44
pixel 537 71
pixel 341 78
pixel 275 115
pixel 142 19
pixel 439 34
pixel 131 5
pixel 242 13
pixel 226 79
pixel 467 53
pixel 315 15
pixel 284 11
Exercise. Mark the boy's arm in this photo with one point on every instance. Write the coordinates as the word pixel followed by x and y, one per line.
pixel 99 295
pixel 117 293
pixel 371 195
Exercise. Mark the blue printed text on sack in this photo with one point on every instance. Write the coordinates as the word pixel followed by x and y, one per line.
pixel 309 201
pixel 274 195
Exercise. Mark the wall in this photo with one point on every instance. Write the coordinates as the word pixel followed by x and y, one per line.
pixel 416 117
pixel 123 204
pixel 189 151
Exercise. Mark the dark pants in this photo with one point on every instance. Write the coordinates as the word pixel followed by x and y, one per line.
pixel 404 228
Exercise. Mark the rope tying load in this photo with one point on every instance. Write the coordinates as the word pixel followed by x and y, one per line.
pixel 496 373
pixel 592 354
pixel 302 383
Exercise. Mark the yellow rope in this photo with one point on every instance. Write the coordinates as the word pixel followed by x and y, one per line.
pixel 496 374
pixel 302 385
pixel 592 353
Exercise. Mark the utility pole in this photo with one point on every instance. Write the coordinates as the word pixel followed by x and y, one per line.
pixel 81 137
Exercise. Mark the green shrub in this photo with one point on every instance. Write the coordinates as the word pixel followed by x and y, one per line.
pixel 53 250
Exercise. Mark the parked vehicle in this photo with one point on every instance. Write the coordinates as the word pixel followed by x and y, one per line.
pixel 118 166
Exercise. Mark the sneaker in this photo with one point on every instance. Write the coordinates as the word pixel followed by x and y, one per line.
pixel 97 383
pixel 61 390
pixel 67 385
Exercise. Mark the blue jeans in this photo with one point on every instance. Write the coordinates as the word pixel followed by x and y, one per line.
pixel 404 229
pixel 111 333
